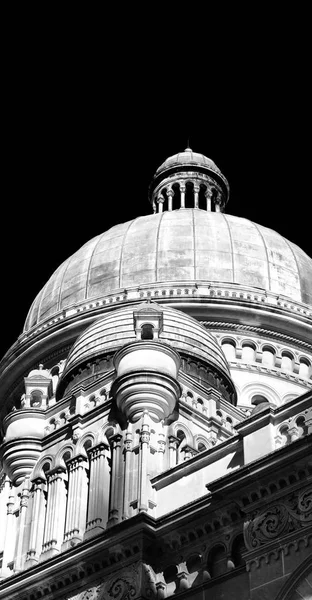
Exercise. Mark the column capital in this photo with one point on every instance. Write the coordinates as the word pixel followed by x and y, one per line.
pixel 76 461
pixel 10 505
pixel 116 440
pixel 98 450
pixel 173 441
pixel 56 473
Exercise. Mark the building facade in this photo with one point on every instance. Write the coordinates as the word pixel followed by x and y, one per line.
pixel 156 411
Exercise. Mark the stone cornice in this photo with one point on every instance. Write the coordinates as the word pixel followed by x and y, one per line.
pixel 197 462
pixel 257 331
pixel 229 484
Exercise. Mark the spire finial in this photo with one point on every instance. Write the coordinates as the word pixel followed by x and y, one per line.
pixel 188 148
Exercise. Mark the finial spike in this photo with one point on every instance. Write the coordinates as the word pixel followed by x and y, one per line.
pixel 188 148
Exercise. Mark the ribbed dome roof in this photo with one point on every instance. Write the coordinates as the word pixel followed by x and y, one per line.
pixel 188 157
pixel 191 161
pixel 182 245
pixel 116 329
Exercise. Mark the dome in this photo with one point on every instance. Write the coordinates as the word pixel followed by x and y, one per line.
pixel 188 157
pixel 189 161
pixel 189 245
pixel 183 333
pixel 40 372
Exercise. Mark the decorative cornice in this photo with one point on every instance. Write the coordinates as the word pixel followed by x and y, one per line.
pixel 257 330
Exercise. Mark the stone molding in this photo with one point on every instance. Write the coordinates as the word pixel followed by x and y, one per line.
pixel 279 519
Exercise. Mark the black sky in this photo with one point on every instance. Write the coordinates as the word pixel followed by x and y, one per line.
pixel 83 137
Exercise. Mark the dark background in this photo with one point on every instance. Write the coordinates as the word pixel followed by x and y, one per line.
pixel 87 121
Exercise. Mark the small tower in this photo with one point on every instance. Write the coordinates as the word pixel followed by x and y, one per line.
pixel 24 427
pixel 189 180
pixel 147 370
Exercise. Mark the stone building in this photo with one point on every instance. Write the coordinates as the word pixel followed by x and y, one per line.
pixel 157 411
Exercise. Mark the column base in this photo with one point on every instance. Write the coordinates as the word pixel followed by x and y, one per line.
pixel 90 533
pixel 73 541
pixel 31 562
pixel 48 554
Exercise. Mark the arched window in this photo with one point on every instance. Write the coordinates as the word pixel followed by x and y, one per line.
pixel 201 447
pixel 147 332
pixel 228 347
pixel 181 437
pixel 302 427
pixel 304 368
pixel 287 361
pixel 170 577
pixel 189 195
pixel 229 422
pixel 268 356
pixel 176 201
pixel 238 548
pixel 286 439
pixel 217 561
pixel 202 201
pixel 249 352
pixel 36 399
pixel 55 372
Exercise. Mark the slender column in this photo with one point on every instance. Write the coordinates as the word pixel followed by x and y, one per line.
pixel 161 450
pixel 4 496
pixel 182 191
pixel 196 192
pixel 99 484
pixel 308 423
pixel 37 522
pixel 127 455
pixel 160 201
pixel 143 464
pixel 294 433
pixel 114 515
pixel 173 445
pixel 19 560
pixel 76 501
pixel 56 509
pixel 8 550
pixel 188 451
pixel 208 196
pixel 170 199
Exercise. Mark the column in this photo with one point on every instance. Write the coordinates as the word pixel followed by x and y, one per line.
pixel 19 559
pixel 114 513
pixel 173 446
pixel 182 191
pixel 143 466
pixel 161 451
pixel 56 509
pixel 77 499
pixel 196 192
pixel 170 199
pixel 308 423
pixel 188 452
pixel 294 433
pixel 160 201
pixel 208 196
pixel 9 538
pixel 37 522
pixel 4 496
pixel 127 457
pixel 99 485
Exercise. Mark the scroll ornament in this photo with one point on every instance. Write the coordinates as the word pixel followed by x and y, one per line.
pixel 279 519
